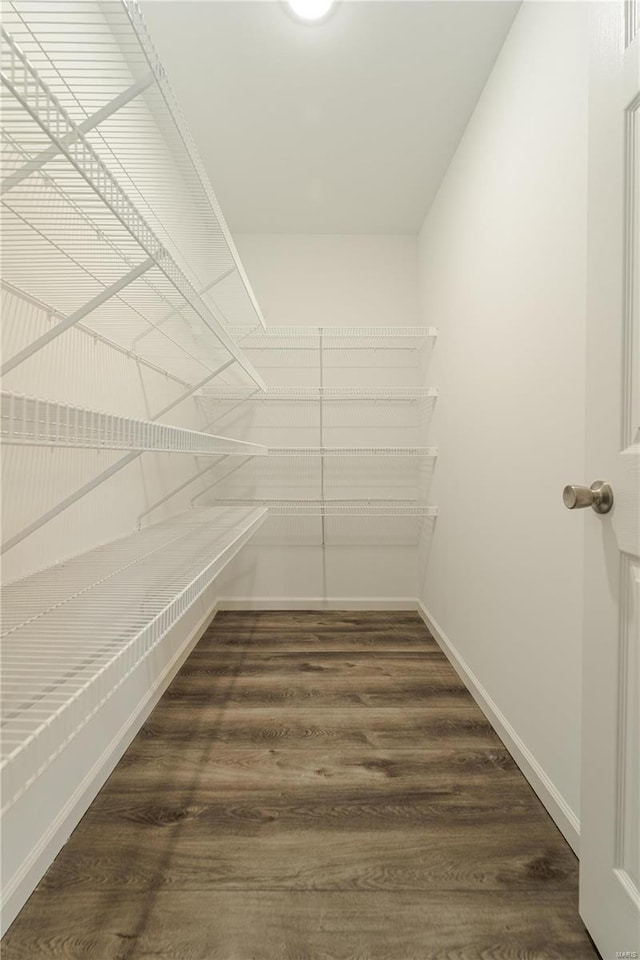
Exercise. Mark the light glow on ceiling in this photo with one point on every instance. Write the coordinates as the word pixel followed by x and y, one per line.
pixel 311 10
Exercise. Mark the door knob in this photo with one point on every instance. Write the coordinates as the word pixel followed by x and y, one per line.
pixel 599 496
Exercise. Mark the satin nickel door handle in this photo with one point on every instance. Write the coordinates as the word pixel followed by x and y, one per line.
pixel 599 496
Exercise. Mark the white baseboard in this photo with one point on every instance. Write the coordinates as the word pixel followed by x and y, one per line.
pixel 557 807
pixel 317 603
pixel 20 886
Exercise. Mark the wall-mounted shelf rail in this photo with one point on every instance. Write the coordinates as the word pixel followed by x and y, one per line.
pixel 297 394
pixel 36 422
pixel 75 240
pixel 72 633
pixel 332 337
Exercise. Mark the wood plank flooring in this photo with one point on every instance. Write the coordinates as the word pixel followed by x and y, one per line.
pixel 313 786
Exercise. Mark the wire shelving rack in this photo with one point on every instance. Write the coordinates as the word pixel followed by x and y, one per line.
pixel 316 394
pixel 352 522
pixel 332 337
pixel 100 62
pixel 353 452
pixel 333 470
pixel 34 421
pixel 74 632
pixel 112 258
pixel 339 508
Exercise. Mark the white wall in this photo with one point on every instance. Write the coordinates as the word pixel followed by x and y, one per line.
pixel 502 272
pixel 333 279
pixel 329 280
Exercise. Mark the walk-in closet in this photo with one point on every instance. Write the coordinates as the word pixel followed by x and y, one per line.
pixel 295 650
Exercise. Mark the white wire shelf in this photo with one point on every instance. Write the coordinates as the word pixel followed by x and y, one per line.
pixel 339 508
pixel 108 76
pixel 73 633
pixel 332 338
pixel 353 451
pixel 37 422
pixel 289 394
pixel 72 237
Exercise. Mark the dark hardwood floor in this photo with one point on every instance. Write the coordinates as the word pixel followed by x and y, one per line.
pixel 312 785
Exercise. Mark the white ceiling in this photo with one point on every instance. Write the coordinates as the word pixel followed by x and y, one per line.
pixel 346 126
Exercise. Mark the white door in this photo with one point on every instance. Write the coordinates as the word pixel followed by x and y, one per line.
pixel 610 804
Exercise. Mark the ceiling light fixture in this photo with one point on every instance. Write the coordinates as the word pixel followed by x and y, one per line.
pixel 311 10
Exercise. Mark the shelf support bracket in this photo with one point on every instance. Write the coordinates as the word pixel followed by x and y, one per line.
pixel 172 493
pixel 37 162
pixel 74 318
pixel 221 478
pixel 106 474
pixel 173 313
pixel 226 413
pixel 197 475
